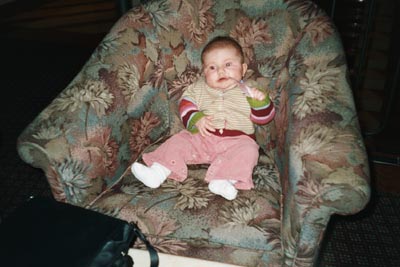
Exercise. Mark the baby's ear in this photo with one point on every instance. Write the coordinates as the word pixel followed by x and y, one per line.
pixel 244 68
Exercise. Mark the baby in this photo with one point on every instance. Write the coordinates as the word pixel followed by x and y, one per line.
pixel 218 113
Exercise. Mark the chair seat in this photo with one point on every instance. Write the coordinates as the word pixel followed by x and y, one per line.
pixel 186 219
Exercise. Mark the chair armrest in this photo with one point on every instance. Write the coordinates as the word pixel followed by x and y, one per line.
pixel 321 153
pixel 323 180
pixel 88 136
pixel 341 191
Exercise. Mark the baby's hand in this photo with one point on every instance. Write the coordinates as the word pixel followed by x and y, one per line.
pixel 257 94
pixel 205 125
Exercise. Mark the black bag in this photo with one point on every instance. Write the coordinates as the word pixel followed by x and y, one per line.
pixel 44 232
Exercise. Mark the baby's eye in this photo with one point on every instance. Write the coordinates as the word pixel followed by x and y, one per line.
pixel 228 64
pixel 211 67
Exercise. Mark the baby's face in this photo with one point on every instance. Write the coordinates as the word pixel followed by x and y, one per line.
pixel 219 65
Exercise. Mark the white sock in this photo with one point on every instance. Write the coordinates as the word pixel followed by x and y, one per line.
pixel 152 176
pixel 223 188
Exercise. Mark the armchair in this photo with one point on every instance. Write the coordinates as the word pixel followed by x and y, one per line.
pixel 312 164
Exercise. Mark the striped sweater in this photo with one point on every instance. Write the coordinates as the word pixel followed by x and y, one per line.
pixel 231 110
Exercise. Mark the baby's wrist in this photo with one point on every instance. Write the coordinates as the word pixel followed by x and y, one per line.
pixel 255 103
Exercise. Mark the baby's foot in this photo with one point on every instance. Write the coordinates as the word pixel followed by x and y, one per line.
pixel 224 188
pixel 152 176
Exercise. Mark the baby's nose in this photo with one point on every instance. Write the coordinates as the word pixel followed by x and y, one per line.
pixel 221 71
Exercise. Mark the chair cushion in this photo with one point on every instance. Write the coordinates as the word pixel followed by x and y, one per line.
pixel 187 219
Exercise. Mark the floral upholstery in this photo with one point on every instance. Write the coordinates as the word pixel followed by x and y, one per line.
pixel 313 162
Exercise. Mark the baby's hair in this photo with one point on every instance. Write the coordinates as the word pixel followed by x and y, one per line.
pixel 222 42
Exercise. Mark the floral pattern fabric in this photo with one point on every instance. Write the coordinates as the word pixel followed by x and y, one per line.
pixel 123 102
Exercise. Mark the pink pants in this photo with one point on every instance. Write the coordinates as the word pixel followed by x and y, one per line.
pixel 230 158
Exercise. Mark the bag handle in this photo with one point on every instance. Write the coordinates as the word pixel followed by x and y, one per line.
pixel 153 252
